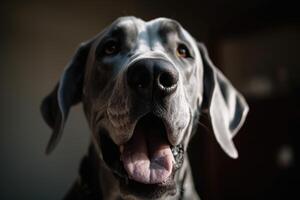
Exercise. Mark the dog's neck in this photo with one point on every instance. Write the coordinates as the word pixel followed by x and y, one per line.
pixel 96 181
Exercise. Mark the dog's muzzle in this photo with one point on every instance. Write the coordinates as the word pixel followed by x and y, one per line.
pixel 147 157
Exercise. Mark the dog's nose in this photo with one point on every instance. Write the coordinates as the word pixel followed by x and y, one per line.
pixel 152 75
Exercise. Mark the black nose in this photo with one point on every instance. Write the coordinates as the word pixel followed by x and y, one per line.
pixel 150 76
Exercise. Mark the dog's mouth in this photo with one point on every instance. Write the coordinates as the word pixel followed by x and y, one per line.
pixel 147 156
pixel 147 161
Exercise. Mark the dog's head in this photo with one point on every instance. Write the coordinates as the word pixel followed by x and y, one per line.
pixel 143 86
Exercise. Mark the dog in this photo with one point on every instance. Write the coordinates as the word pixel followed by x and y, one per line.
pixel 143 86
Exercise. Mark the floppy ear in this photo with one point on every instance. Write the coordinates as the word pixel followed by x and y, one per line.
pixel 226 107
pixel 68 91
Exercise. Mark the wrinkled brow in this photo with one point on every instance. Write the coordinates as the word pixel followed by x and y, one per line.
pixel 168 27
pixel 123 30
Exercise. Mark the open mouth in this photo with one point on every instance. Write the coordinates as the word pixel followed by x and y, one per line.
pixel 147 156
pixel 147 159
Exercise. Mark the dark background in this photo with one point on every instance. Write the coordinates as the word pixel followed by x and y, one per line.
pixel 255 43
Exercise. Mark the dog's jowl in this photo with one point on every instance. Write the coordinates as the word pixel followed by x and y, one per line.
pixel 143 86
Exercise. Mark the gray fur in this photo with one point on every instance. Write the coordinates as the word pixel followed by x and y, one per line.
pixel 113 108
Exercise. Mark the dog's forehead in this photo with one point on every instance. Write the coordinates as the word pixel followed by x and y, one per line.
pixel 140 23
pixel 159 26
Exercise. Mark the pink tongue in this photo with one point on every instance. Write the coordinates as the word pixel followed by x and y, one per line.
pixel 147 157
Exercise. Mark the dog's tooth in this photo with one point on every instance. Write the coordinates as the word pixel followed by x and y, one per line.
pixel 175 153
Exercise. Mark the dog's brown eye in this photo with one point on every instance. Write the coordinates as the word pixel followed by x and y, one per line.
pixel 182 51
pixel 111 48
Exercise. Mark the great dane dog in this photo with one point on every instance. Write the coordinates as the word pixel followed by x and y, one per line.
pixel 143 86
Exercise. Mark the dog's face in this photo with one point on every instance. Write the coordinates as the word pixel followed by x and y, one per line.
pixel 143 86
pixel 149 74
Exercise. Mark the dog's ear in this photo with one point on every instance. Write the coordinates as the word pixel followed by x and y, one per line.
pixel 68 91
pixel 226 107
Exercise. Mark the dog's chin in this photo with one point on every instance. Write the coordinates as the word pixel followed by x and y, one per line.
pixel 146 165
pixel 130 188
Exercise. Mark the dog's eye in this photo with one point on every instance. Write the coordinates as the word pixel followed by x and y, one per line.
pixel 111 48
pixel 182 51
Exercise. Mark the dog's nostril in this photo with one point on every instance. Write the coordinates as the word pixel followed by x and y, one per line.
pixel 166 80
pixel 138 77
